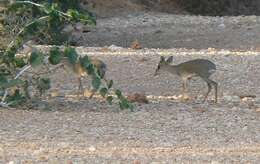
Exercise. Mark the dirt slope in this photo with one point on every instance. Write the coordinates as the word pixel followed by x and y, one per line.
pixel 162 30
pixel 106 8
pixel 194 7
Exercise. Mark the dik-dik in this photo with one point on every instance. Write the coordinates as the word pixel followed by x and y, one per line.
pixel 198 67
pixel 81 72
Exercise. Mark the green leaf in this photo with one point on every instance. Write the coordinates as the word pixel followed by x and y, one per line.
pixel 19 62
pixel 47 9
pixel 31 28
pixel 109 99
pixel 2 92
pixel 43 84
pixel 130 106
pixel 55 56
pixel 14 82
pixel 121 105
pixel 84 18
pixel 15 99
pixel 55 19
pixel 125 104
pixel 84 61
pixel 3 80
pixel 36 58
pixel 103 92
pixel 9 56
pixel 90 69
pixel 96 82
pixel 100 72
pixel 13 7
pixel 110 84
pixel 87 65
pixel 71 54
pixel 118 93
pixel 4 71
pixel 18 41
pixel 11 83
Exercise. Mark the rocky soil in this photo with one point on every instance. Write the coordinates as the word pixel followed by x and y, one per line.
pixel 162 30
pixel 64 129
pixel 167 130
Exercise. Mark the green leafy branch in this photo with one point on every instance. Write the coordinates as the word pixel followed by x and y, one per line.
pixel 14 87
pixel 72 14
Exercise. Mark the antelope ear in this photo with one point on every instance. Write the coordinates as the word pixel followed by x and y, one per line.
pixel 170 59
pixel 162 59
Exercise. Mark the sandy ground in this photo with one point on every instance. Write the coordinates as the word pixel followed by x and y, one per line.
pixel 164 131
pixel 153 30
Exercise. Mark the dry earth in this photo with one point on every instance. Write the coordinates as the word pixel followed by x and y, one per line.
pixel 166 130
pixel 162 30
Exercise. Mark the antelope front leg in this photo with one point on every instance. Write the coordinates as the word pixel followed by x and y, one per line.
pixel 80 87
pixel 185 95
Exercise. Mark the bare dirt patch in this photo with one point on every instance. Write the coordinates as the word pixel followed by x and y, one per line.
pixel 164 30
pixel 165 130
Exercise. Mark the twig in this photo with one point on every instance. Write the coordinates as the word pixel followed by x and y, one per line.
pixel 16 77
pixel 5 105
pixel 22 30
pixel 29 2
pixel 49 71
pixel 42 6
pixel 22 71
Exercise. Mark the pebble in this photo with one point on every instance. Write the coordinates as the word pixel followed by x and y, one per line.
pixel 92 148
pixel 233 99
pixel 114 47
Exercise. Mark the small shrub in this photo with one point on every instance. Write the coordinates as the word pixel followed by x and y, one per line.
pixel 47 18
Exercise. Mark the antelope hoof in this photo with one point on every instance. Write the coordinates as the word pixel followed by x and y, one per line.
pixel 184 97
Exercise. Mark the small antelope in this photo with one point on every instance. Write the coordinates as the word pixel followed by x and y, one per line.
pixel 198 67
pixel 81 72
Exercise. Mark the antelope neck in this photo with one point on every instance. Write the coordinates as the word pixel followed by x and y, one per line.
pixel 172 69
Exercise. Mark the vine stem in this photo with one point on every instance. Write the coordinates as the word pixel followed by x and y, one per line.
pixel 42 6
pixel 49 71
pixel 37 20
pixel 22 30
pixel 29 2
pixel 3 104
pixel 22 71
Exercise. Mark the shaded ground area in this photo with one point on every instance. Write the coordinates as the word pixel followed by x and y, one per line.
pixel 162 30
pixel 197 7
pixel 164 131
pixel 172 24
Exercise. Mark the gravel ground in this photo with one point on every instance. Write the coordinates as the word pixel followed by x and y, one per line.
pixel 153 30
pixel 167 130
